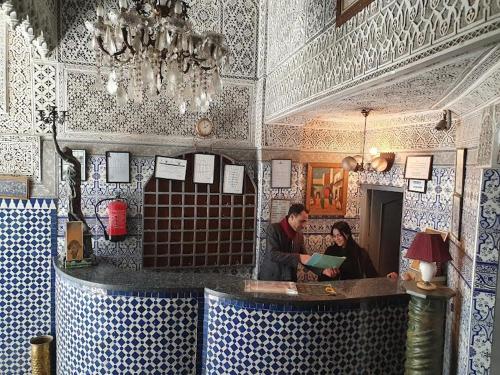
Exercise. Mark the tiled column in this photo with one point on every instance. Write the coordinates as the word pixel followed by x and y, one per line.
pixel 485 275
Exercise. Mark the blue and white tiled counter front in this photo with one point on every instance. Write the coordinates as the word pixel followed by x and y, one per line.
pixel 260 338
pixel 101 331
pixel 112 321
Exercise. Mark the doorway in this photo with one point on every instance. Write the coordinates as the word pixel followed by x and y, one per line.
pixel 380 226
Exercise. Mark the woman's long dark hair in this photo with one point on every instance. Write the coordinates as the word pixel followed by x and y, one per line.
pixel 346 232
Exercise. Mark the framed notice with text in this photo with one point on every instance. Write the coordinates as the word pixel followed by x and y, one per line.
pixel 281 174
pixel 346 9
pixel 417 186
pixel 418 167
pixel 203 169
pixel 279 209
pixel 233 179
pixel 170 168
pixel 117 166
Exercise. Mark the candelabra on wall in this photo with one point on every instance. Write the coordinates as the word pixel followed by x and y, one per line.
pixel 73 177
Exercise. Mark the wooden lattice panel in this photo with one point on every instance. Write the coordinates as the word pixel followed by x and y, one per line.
pixel 190 225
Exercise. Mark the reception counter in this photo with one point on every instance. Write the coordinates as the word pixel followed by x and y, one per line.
pixel 112 321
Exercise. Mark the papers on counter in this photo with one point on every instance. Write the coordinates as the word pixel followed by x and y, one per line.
pixel 280 287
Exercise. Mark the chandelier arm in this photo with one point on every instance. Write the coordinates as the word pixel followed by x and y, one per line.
pixel 151 42
pixel 117 53
pixel 125 40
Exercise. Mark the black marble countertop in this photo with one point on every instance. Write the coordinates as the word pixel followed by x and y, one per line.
pixel 111 278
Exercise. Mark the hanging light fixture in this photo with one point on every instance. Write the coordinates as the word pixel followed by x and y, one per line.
pixel 150 45
pixel 356 163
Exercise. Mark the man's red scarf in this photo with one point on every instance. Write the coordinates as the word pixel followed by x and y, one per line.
pixel 290 233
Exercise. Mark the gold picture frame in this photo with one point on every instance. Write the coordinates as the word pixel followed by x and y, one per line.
pixel 326 189
pixel 74 241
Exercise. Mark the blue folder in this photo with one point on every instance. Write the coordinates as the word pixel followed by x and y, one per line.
pixel 325 261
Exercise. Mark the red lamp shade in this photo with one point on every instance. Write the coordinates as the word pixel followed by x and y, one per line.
pixel 429 247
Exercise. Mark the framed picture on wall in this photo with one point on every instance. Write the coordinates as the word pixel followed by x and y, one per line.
pixel 81 156
pixel 417 186
pixel 326 192
pixel 460 170
pixel 456 220
pixel 346 9
pixel 418 167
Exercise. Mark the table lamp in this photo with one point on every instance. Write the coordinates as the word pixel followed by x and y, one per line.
pixel 428 248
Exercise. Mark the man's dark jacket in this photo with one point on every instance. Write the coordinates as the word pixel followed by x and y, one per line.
pixel 282 255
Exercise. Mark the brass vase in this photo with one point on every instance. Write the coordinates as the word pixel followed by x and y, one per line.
pixel 40 355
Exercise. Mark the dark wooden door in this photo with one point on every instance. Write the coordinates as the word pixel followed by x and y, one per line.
pixel 384 235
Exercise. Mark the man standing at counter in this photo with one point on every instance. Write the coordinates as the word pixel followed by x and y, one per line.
pixel 285 248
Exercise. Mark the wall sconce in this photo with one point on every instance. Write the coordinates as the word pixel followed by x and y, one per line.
pixel 445 122
pixel 379 163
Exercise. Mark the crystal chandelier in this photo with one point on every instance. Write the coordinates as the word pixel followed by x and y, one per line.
pixel 149 45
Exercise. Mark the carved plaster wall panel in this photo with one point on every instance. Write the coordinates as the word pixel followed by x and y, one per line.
pixel 486 137
pixel 483 93
pixel 375 121
pixel 205 15
pixel 296 137
pixel 236 19
pixel 407 94
pixel 262 39
pixel 42 18
pixel 240 22
pixel 259 113
pixel 414 137
pixel 44 86
pixel 468 131
pixel 20 155
pixel 384 37
pixel 97 113
pixel 286 32
pixel 346 137
pixel 20 80
pixel 3 63
pixel 475 74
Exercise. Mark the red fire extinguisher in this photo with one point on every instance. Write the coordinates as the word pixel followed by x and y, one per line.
pixel 117 213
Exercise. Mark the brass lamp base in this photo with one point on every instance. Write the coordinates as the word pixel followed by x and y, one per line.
pixel 426 285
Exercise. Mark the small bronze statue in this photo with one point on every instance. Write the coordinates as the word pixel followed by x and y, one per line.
pixel 73 181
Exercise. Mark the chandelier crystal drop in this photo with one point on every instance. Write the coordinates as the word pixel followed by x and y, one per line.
pixel 149 46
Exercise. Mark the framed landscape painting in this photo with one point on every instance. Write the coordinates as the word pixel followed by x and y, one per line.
pixel 326 189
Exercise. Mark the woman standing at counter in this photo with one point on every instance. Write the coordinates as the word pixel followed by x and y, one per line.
pixel 358 264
